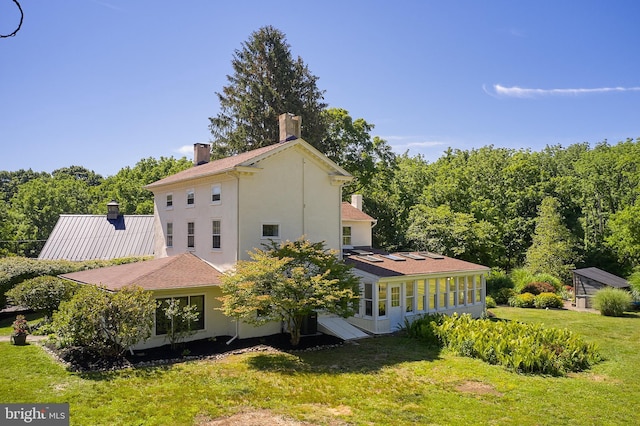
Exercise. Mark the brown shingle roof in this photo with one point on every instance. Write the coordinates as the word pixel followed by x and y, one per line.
pixel 394 268
pixel 181 271
pixel 351 213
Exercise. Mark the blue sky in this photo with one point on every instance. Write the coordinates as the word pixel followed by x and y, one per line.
pixel 105 83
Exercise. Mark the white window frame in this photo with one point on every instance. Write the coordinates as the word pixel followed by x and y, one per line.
pixel 270 237
pixel 191 195
pixel 347 237
pixel 219 234
pixel 216 190
pixel 169 201
pixel 191 237
pixel 169 239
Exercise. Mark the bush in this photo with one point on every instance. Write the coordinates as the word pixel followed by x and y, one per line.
pixel 536 288
pixel 524 300
pixel 423 328
pixel 612 302
pixel 498 280
pixel 548 300
pixel 503 295
pixel 43 293
pixel 521 277
pixel 549 279
pixel 524 348
pixel 104 322
pixel 490 303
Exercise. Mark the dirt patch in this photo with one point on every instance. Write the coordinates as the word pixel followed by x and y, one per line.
pixel 250 418
pixel 477 388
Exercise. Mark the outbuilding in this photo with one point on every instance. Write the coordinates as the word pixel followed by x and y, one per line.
pixel 587 281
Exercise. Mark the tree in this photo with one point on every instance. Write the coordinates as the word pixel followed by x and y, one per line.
pixel 348 142
pixel 266 82
pixel 552 250
pixel 624 235
pixel 103 321
pixel 43 293
pixel 176 319
pixel 287 282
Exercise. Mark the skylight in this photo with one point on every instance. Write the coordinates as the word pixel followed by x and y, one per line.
pixel 413 256
pixel 394 257
pixel 433 255
pixel 370 258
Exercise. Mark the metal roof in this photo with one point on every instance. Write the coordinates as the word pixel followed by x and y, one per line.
pixel 602 277
pixel 87 237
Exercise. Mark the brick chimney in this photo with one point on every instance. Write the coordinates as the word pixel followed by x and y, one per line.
pixel 290 127
pixel 201 153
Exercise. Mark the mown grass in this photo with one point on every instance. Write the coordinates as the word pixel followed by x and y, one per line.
pixel 6 324
pixel 384 380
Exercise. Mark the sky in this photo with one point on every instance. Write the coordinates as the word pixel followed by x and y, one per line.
pixel 105 83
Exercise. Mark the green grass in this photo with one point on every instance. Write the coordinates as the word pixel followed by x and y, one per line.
pixel 6 324
pixel 384 380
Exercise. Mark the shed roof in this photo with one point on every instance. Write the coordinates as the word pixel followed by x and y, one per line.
pixel 349 212
pixel 185 270
pixel 603 277
pixel 409 263
pixel 86 237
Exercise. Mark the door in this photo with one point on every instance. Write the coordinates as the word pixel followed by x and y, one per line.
pixel 395 307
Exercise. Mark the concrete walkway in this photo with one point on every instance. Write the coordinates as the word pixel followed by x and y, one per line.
pixel 30 338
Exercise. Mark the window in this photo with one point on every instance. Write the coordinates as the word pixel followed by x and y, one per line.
pixel 169 234
pixel 433 296
pixel 453 294
pixel 368 299
pixel 382 300
pixel 395 296
pixel 191 197
pixel 215 234
pixel 409 297
pixel 216 194
pixel 169 200
pixel 163 324
pixel 270 231
pixel 191 234
pixel 470 290
pixel 346 235
pixel 478 288
pixel 422 297
pixel 442 297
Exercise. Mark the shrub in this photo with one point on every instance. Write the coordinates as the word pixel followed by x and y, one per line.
pixel 104 322
pixel 498 280
pixel 43 293
pixel 612 302
pixel 521 277
pixel 536 288
pixel 503 295
pixel 549 279
pixel 548 300
pixel 490 303
pixel 524 300
pixel 524 348
pixel 423 328
pixel 176 319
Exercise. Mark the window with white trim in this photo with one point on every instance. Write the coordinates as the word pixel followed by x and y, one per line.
pixel 346 235
pixel 191 235
pixel 270 230
pixel 367 300
pixel 382 300
pixel 216 194
pixel 169 201
pixel 409 297
pixel 163 324
pixel 216 232
pixel 191 198
pixel 169 234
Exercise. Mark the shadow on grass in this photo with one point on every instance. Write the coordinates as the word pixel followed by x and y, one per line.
pixel 362 356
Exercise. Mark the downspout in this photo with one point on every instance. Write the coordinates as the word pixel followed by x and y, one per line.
pixel 237 332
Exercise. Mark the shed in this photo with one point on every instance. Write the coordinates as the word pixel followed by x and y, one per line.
pixel 587 281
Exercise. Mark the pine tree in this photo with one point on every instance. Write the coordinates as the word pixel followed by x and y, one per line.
pixel 266 82
pixel 551 251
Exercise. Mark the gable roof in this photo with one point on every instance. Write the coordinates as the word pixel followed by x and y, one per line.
pixel 428 264
pixel 245 159
pixel 86 237
pixel 185 270
pixel 351 213
pixel 603 277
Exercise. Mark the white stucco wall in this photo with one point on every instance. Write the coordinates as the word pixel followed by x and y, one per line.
pixel 360 232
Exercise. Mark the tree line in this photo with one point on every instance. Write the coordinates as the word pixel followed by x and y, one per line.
pixel 566 206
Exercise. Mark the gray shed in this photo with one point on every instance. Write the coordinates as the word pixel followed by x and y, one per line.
pixel 587 281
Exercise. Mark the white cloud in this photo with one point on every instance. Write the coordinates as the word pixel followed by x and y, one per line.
pixel 521 92
pixel 186 150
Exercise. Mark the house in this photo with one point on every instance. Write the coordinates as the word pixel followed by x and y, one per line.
pixel 587 281
pixel 80 237
pixel 210 216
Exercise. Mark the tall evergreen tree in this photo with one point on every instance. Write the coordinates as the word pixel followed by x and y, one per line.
pixel 266 82
pixel 552 250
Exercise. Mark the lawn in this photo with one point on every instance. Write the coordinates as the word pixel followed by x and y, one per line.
pixel 384 380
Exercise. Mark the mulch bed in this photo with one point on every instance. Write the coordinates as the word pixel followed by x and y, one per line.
pixel 83 360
